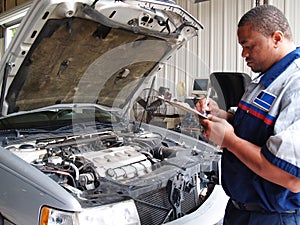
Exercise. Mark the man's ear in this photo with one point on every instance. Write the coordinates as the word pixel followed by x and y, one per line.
pixel 277 37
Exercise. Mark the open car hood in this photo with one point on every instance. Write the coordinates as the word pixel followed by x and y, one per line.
pixel 95 52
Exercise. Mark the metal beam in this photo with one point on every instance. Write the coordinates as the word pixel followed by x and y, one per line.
pixel 14 15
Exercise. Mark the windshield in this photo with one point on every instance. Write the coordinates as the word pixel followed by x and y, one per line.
pixel 53 118
pixel 80 61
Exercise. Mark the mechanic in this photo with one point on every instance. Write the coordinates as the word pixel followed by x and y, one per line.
pixel 261 149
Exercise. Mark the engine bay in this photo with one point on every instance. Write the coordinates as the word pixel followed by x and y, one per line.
pixel 119 164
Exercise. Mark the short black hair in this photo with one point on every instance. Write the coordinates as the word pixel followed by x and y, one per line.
pixel 266 19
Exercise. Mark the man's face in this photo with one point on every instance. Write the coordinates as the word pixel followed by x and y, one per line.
pixel 258 49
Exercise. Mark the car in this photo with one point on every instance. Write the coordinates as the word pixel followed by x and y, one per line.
pixel 70 153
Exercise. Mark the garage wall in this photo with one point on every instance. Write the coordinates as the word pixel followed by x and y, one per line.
pixel 216 48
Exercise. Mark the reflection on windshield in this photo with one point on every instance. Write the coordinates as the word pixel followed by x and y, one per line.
pixel 55 119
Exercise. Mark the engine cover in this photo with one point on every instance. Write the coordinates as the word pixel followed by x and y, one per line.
pixel 119 163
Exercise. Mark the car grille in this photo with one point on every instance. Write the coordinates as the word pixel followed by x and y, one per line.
pixel 154 207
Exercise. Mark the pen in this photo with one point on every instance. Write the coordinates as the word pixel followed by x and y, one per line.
pixel 207 98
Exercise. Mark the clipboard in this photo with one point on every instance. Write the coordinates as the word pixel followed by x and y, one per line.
pixel 184 106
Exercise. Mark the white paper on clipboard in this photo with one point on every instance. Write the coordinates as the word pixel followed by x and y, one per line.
pixel 182 105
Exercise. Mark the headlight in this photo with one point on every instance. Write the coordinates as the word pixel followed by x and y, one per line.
pixel 51 216
pixel 124 213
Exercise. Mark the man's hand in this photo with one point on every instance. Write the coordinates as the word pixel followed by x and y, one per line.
pixel 211 107
pixel 218 130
